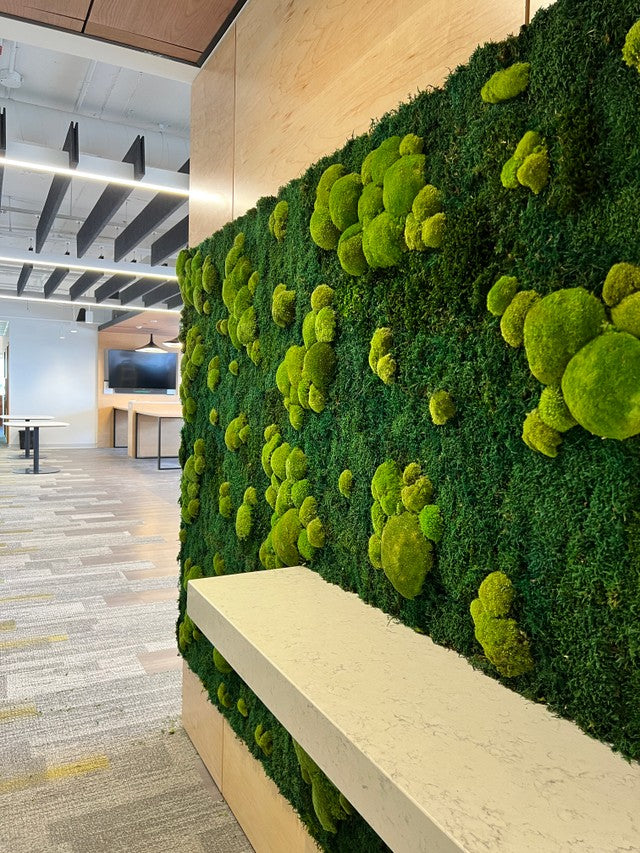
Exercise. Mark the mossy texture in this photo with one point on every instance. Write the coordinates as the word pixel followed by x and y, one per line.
pixel 506 84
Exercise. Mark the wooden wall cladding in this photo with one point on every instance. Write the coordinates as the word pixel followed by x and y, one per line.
pixel 308 75
pixel 68 14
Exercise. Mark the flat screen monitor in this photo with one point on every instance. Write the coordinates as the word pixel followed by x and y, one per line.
pixel 141 372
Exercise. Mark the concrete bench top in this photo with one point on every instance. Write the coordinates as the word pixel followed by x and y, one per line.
pixel 435 756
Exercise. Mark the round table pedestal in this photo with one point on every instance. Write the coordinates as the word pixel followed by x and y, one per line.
pixel 39 471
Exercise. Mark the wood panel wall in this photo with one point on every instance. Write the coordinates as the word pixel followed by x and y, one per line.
pixel 293 79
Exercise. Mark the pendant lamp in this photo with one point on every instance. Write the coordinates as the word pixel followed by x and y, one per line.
pixel 150 347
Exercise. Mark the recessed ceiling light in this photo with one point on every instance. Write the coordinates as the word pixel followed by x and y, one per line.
pixel 138 327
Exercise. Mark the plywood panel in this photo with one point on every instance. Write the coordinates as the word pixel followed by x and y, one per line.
pixel 203 723
pixel 309 75
pixel 212 142
pixel 191 24
pixel 143 42
pixel 69 14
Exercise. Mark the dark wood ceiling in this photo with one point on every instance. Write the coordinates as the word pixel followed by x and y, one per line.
pixel 187 30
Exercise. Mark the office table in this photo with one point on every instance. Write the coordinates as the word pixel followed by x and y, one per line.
pixel 35 425
pixel 27 431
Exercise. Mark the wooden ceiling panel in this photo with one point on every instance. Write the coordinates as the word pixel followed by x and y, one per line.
pixel 68 14
pixel 143 42
pixel 191 24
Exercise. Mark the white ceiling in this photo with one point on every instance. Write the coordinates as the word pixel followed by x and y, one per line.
pixel 111 105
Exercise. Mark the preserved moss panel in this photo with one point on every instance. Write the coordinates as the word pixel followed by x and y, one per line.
pixel 565 531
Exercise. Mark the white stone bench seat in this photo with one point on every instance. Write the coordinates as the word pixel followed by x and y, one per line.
pixel 434 755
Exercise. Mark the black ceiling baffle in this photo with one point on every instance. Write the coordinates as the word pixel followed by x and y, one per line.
pixel 54 280
pixel 154 214
pixel 135 290
pixel 86 280
pixel 175 301
pixel 111 199
pixel 3 143
pixel 58 188
pixel 23 278
pixel 175 238
pixel 165 291
pixel 112 285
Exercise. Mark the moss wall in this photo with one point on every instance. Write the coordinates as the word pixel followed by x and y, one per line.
pixel 557 515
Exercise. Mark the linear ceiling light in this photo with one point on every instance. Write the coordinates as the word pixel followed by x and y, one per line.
pixel 25 298
pixel 93 176
pixel 92 265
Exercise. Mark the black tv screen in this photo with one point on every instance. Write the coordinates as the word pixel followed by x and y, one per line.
pixel 128 370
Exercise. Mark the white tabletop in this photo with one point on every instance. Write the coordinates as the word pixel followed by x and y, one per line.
pixel 27 418
pixel 35 423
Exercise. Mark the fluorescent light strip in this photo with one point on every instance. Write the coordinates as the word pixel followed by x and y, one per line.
pixel 92 176
pixel 67 263
pixel 98 306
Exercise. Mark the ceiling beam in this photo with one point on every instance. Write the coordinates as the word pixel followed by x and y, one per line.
pixel 54 280
pixel 159 294
pixel 175 301
pixel 154 214
pixel 174 239
pixel 111 286
pixel 117 318
pixel 23 278
pixel 136 290
pixel 58 188
pixel 111 199
pixel 81 285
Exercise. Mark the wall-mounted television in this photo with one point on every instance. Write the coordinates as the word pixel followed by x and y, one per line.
pixel 131 372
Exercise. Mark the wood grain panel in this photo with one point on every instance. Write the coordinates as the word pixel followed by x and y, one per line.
pixel 144 42
pixel 190 24
pixel 68 14
pixel 203 723
pixel 310 75
pixel 212 142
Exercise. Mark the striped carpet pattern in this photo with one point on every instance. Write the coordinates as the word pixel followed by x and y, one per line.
pixel 92 754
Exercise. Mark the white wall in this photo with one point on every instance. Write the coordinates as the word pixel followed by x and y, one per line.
pixel 50 376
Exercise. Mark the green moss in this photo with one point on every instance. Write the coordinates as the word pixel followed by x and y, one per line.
pixel 631 49
pixel 304 546
pixel 185 632
pixel 345 483
pixel 283 306
pixel 193 507
pixel 383 241
pixel 343 201
pixel 296 416
pixel 496 593
pixel 244 521
pixel 279 460
pixel 243 300
pixel 322 296
pixel 411 144
pixel 441 407
pixel 220 663
pixel 386 487
pixel 365 169
pixel 406 554
pixel 182 535
pixel 254 351
pixel 626 315
pixel 370 203
pixel 413 234
pixel 433 231
pixel 600 386
pixel 225 506
pixel 219 567
pixel 315 531
pixel 284 537
pixel 553 410
pixel 403 180
pixel 509 174
pixel 326 321
pixel 537 435
pixel 384 156
pixel 556 327
pixel 232 328
pixel 284 500
pixel 506 84
pixel 317 399
pixel 323 232
pixel 210 279
pixel 247 330
pixel 350 252
pixel 378 517
pixel 241 705
pixel 270 496
pixel 237 433
pixel 501 294
pixel 381 343
pixel 309 329
pixel 505 645
pixel 224 697
pixel 278 220
pixel 374 550
pixel 431 523
pixel 294 363
pixel 222 327
pixel 534 172
pixel 411 473
pixel 282 379
pixel 193 573
pixel 427 203
pixel 327 180
pixel 622 280
pixel 512 322
pixel 319 365
pixel 266 452
pixel 417 495
pixel 308 510
pixel 300 490
pixel 264 739
pixel 296 465
pixel 328 803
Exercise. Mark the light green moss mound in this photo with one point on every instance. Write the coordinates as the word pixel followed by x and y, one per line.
pixel 264 739
pixel 278 220
pixel 220 663
pixel 350 252
pixel 402 182
pixel 315 531
pixel 305 548
pixel 300 490
pixel 537 435
pixel 601 386
pixel 244 521
pixel 505 645
pixel 386 487
pixel 328 803
pixel 433 231
pixel 383 241
pixel 343 201
pixel 631 49
pixel 384 156
pixel 309 329
pixel 556 327
pixel 413 234
pixel 247 329
pixel 427 203
pixel 325 325
pixel 406 554
pixel 534 172
pixel 553 410
pixel 622 280
pixel 374 551
pixel 241 705
pixel 219 566
pixel 279 460
pixel 345 483
pixel 296 465
pixel 431 523
pixel 496 594
pixel 512 322
pixel 506 84
pixel 501 294
pixel 323 232
pixel 321 297
pixel 319 365
pixel 327 180
pixel 210 279
pixel 626 315
pixel 237 433
pixel 283 306
pixel 441 407
pixel 411 144
pixel 416 495
pixel 284 537
pixel 224 697
pixel 370 203
pixel 381 360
